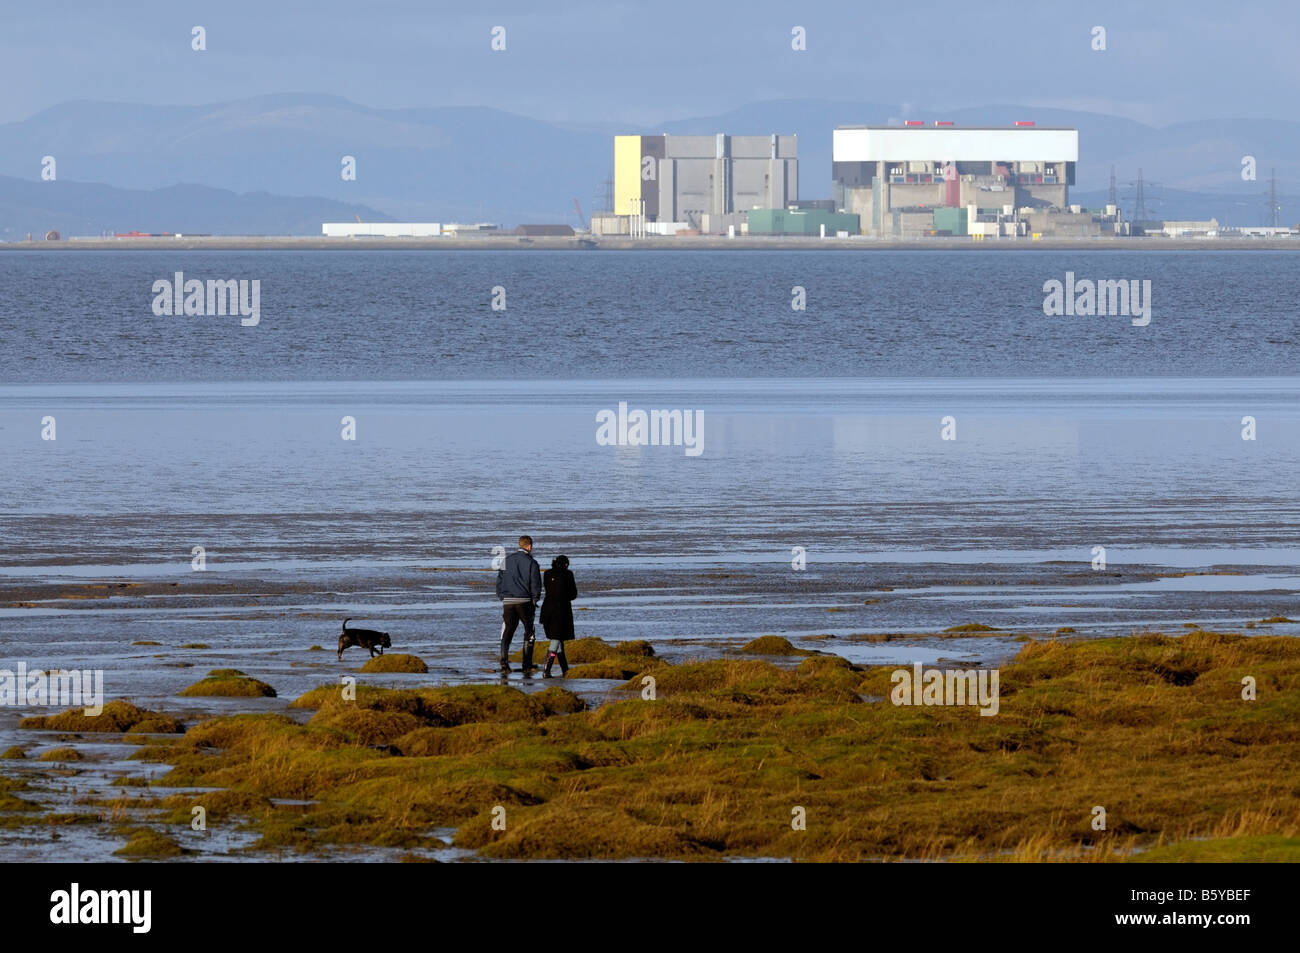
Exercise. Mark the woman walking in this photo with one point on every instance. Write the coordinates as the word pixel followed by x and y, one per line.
pixel 557 611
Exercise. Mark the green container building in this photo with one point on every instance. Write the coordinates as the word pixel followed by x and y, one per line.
pixel 780 221
pixel 950 220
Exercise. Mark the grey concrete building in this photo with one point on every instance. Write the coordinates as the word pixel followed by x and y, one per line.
pixel 703 180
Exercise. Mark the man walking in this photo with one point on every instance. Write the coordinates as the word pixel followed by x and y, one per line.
pixel 519 586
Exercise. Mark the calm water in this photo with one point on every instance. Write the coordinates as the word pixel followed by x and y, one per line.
pixel 663 315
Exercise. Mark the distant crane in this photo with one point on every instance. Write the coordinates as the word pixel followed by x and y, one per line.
pixel 582 221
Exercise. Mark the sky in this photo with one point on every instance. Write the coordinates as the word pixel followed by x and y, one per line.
pixel 646 61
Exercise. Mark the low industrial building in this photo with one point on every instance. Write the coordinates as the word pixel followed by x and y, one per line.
pixel 814 221
pixel 701 183
pixel 545 231
pixel 380 229
pixel 1073 222
pixel 911 169
pixel 1208 229
pixel 1258 231
pixel 610 225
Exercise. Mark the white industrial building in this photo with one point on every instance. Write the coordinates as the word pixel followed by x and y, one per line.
pixel 880 171
pixel 381 229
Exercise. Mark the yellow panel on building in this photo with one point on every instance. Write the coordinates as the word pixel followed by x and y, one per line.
pixel 627 173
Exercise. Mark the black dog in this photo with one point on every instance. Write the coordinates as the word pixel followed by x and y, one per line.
pixel 365 638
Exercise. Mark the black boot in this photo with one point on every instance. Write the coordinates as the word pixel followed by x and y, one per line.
pixel 546 672
pixel 564 662
pixel 505 654
pixel 528 655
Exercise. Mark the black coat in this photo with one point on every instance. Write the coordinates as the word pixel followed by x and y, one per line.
pixel 557 610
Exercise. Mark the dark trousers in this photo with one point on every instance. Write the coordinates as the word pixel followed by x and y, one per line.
pixel 512 613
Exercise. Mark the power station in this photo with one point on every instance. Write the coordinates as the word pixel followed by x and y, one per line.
pixel 909 181
pixel 878 171
pixel 704 184
pixel 913 180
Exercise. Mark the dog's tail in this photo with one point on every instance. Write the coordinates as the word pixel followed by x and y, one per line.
pixel 345 623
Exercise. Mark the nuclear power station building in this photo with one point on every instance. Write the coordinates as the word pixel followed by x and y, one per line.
pixel 885 173
pixel 703 182
pixel 910 181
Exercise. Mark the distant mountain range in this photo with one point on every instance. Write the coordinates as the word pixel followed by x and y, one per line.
pixel 281 156
pixel 80 208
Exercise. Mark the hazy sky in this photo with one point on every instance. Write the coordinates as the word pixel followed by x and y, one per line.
pixel 642 61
